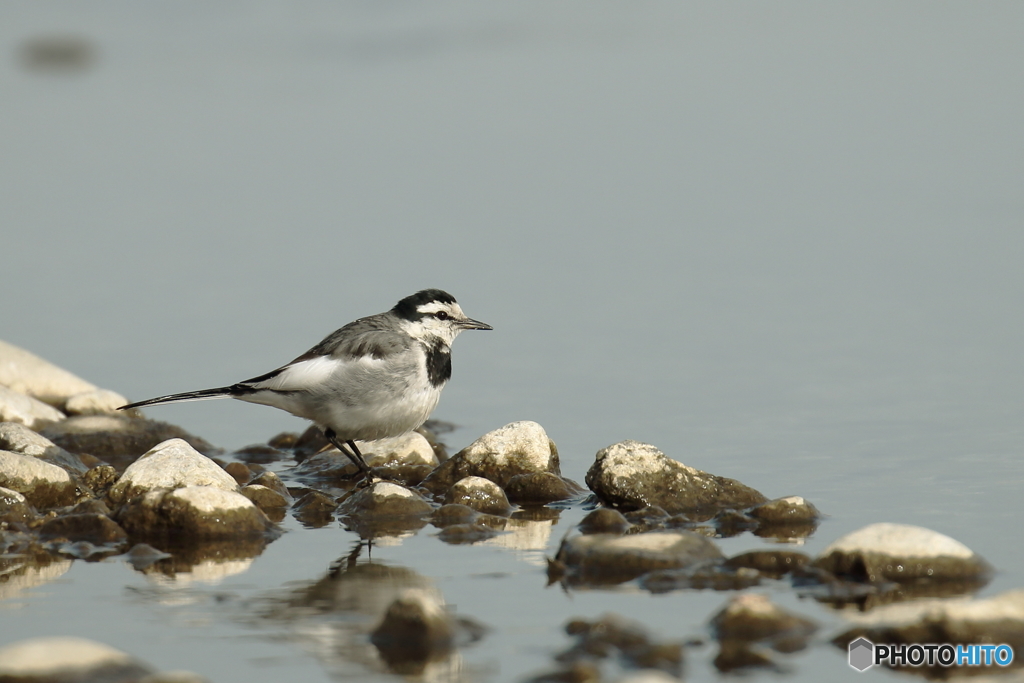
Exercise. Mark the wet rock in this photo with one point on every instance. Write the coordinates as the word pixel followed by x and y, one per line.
pixel 754 617
pixel 610 559
pixel 261 454
pixel 788 511
pixel 632 475
pixel 996 619
pixel 447 515
pixel 408 457
pixel 702 576
pixel 541 488
pixel 604 521
pixel 43 485
pixel 100 479
pixel 29 374
pixel 465 534
pixel 88 506
pixel 284 441
pixel 14 509
pixel 731 523
pixel 310 442
pixel 516 448
pixel 95 402
pixel 649 517
pixel 314 509
pixel 483 495
pixel 203 512
pixel 272 482
pixel 385 499
pixel 627 642
pixel 901 553
pixel 239 472
pixel 771 563
pixel 416 629
pixel 91 527
pixel 64 659
pixel 22 409
pixel 750 619
pixel 171 464
pixel 264 498
pixel 117 439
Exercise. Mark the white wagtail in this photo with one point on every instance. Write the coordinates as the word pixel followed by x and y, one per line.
pixel 376 377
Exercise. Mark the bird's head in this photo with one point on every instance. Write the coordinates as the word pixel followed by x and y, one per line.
pixel 433 313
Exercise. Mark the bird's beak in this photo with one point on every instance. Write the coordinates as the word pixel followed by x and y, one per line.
pixel 470 324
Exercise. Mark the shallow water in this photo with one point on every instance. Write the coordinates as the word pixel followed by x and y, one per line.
pixel 781 243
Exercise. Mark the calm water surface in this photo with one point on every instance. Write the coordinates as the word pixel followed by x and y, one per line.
pixel 781 243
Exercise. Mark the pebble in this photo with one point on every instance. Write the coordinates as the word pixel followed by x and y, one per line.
pixel 272 482
pixel 33 413
pixel 43 485
pixel 630 475
pixel 193 512
pixel 402 453
pixel 117 439
pixel 754 617
pixel 611 559
pixel 171 464
pixel 29 374
pixel 516 448
pixel 901 553
pixel 417 628
pixel 239 472
pixel 480 494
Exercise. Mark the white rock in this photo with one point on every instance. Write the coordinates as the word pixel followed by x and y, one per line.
pixel 525 442
pixel 18 438
pixel 194 511
pixel 29 374
pixel 209 499
pixel 43 485
pixel 483 495
pixel 95 402
pixel 172 464
pixel 407 449
pixel 63 658
pixel 9 496
pixel 903 540
pixel 23 409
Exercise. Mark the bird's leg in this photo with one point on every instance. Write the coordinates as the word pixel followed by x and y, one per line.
pixel 354 455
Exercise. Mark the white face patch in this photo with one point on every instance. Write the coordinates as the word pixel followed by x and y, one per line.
pixel 433 307
pixel 432 326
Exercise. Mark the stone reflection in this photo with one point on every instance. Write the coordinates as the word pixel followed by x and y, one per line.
pixel 24 565
pixel 377 616
pixel 201 562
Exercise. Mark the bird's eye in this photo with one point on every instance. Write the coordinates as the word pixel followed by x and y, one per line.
pixel 441 315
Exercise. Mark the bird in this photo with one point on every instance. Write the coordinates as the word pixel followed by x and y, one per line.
pixel 376 377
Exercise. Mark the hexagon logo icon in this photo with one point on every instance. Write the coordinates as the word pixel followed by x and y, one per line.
pixel 862 654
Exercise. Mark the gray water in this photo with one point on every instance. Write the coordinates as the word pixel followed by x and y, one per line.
pixel 781 242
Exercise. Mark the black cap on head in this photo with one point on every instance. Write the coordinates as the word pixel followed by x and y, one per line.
pixel 406 308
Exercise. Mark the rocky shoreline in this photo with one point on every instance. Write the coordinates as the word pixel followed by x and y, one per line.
pixel 80 482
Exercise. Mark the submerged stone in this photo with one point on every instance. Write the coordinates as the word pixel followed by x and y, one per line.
pixel 604 521
pixel 63 659
pixel 93 527
pixel 540 488
pixel 631 475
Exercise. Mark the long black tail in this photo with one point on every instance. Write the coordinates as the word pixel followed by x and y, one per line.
pixel 203 395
